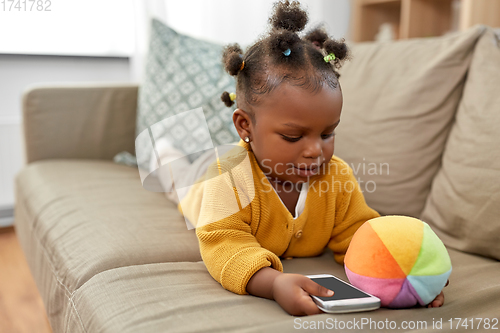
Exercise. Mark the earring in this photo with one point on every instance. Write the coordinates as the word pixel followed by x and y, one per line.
pixel 246 139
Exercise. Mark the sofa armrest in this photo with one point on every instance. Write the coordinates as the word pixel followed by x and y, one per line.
pixel 85 122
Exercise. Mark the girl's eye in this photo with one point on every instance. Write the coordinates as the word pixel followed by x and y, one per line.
pixel 287 138
pixel 326 136
pixel 323 136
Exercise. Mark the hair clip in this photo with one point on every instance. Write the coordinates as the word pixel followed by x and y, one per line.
pixel 329 57
pixel 242 65
pixel 232 96
pixel 287 52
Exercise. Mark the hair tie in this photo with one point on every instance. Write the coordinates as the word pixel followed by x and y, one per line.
pixel 232 96
pixel 287 52
pixel 242 65
pixel 329 57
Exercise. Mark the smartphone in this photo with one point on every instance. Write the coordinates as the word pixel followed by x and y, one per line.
pixel 346 298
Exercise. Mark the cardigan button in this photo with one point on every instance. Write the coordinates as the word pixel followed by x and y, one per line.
pixel 298 234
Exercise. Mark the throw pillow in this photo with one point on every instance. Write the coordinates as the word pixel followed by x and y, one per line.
pixel 464 203
pixel 182 74
pixel 399 102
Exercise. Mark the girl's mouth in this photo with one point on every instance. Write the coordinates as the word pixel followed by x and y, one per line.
pixel 307 172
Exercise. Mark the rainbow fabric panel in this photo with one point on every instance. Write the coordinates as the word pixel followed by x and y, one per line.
pixel 399 259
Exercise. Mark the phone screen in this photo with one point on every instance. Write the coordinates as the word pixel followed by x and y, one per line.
pixel 342 290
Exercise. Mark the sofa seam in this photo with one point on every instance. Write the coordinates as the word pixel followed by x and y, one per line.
pixel 77 315
pixel 52 268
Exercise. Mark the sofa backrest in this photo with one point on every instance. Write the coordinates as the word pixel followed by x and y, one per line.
pixel 79 121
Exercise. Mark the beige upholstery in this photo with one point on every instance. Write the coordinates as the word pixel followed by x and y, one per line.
pixel 91 216
pixel 140 272
pixel 109 256
pixel 399 102
pixel 92 122
pixel 182 297
pixel 78 218
pixel 469 180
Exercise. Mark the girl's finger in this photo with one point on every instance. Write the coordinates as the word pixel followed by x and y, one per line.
pixel 315 289
pixel 437 302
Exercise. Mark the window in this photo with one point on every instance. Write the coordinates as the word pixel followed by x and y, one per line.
pixel 67 27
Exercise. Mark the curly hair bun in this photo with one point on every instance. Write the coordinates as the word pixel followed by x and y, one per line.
pixel 283 40
pixel 289 16
pixel 317 36
pixel 232 58
pixel 226 99
pixel 339 48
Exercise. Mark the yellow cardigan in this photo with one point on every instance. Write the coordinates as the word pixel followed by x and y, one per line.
pixel 242 226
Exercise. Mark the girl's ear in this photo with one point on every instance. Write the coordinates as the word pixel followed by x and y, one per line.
pixel 243 123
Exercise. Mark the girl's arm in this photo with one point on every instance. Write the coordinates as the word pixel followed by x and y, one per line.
pixel 232 254
pixel 261 283
pixel 220 207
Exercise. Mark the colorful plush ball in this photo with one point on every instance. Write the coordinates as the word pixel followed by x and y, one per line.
pixel 399 259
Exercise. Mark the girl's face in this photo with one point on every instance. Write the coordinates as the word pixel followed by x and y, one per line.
pixel 294 131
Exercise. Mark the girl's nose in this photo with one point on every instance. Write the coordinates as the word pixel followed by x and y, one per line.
pixel 313 150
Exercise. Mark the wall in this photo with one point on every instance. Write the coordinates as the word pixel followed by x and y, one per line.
pixel 227 21
pixel 19 71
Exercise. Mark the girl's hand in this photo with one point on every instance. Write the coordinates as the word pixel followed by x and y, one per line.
pixel 291 292
pixel 439 300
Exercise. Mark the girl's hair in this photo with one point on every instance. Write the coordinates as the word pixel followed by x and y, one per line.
pixel 283 56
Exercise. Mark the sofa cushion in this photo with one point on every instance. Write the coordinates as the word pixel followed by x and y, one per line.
pixel 399 102
pixel 182 297
pixel 183 73
pixel 463 205
pixel 92 216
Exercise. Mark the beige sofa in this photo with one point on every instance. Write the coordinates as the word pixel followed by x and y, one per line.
pixel 109 256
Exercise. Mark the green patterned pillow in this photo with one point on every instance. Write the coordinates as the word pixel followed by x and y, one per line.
pixel 183 73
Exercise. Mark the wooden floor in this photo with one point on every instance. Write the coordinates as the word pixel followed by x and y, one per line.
pixel 21 308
